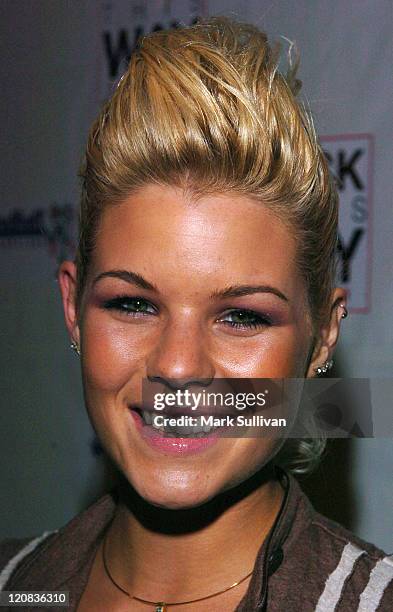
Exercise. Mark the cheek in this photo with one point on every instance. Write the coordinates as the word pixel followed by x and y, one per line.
pixel 279 353
pixel 111 355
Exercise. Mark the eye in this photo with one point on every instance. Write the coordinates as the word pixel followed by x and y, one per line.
pixel 245 319
pixel 132 306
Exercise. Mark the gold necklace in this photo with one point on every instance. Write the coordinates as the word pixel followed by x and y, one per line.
pixel 161 606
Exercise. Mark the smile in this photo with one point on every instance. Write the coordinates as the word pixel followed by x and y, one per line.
pixel 181 425
pixel 174 435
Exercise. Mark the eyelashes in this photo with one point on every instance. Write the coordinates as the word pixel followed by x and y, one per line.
pixel 131 306
pixel 245 319
pixel 235 318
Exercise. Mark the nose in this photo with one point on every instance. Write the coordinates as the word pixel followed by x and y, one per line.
pixel 181 356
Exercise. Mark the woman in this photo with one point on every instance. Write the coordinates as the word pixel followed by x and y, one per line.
pixel 208 229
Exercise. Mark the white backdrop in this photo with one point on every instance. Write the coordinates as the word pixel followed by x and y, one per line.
pixel 59 62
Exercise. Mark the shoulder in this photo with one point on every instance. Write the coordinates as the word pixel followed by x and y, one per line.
pixel 45 561
pixel 353 574
pixel 325 566
pixel 14 551
pixel 10 547
pixel 326 532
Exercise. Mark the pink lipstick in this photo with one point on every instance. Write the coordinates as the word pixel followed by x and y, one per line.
pixel 180 446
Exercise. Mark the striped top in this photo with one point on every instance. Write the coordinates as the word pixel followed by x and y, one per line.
pixel 309 563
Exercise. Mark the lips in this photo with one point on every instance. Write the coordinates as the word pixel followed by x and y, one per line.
pixel 172 444
pixel 176 423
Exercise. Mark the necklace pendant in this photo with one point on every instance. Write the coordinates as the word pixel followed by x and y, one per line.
pixel 161 607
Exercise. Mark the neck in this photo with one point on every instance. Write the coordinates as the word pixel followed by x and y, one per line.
pixel 174 555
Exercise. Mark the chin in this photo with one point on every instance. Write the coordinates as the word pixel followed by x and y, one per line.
pixel 175 490
pixel 176 502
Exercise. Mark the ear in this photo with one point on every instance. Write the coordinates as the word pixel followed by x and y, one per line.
pixel 67 276
pixel 329 333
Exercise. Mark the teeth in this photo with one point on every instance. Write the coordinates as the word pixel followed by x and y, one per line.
pixel 147 417
pixel 174 432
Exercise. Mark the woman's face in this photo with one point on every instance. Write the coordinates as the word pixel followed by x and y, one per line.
pixel 179 290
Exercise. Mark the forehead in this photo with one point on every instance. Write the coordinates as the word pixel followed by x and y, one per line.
pixel 223 238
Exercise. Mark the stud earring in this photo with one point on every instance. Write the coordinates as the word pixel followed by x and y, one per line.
pixel 323 369
pixel 74 346
pixel 345 311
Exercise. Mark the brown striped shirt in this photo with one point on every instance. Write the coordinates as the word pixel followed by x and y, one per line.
pixel 307 563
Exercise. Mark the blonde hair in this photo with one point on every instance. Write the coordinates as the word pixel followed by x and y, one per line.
pixel 206 108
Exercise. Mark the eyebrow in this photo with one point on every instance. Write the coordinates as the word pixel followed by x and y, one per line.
pixel 232 291
pixel 239 290
pixel 127 276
